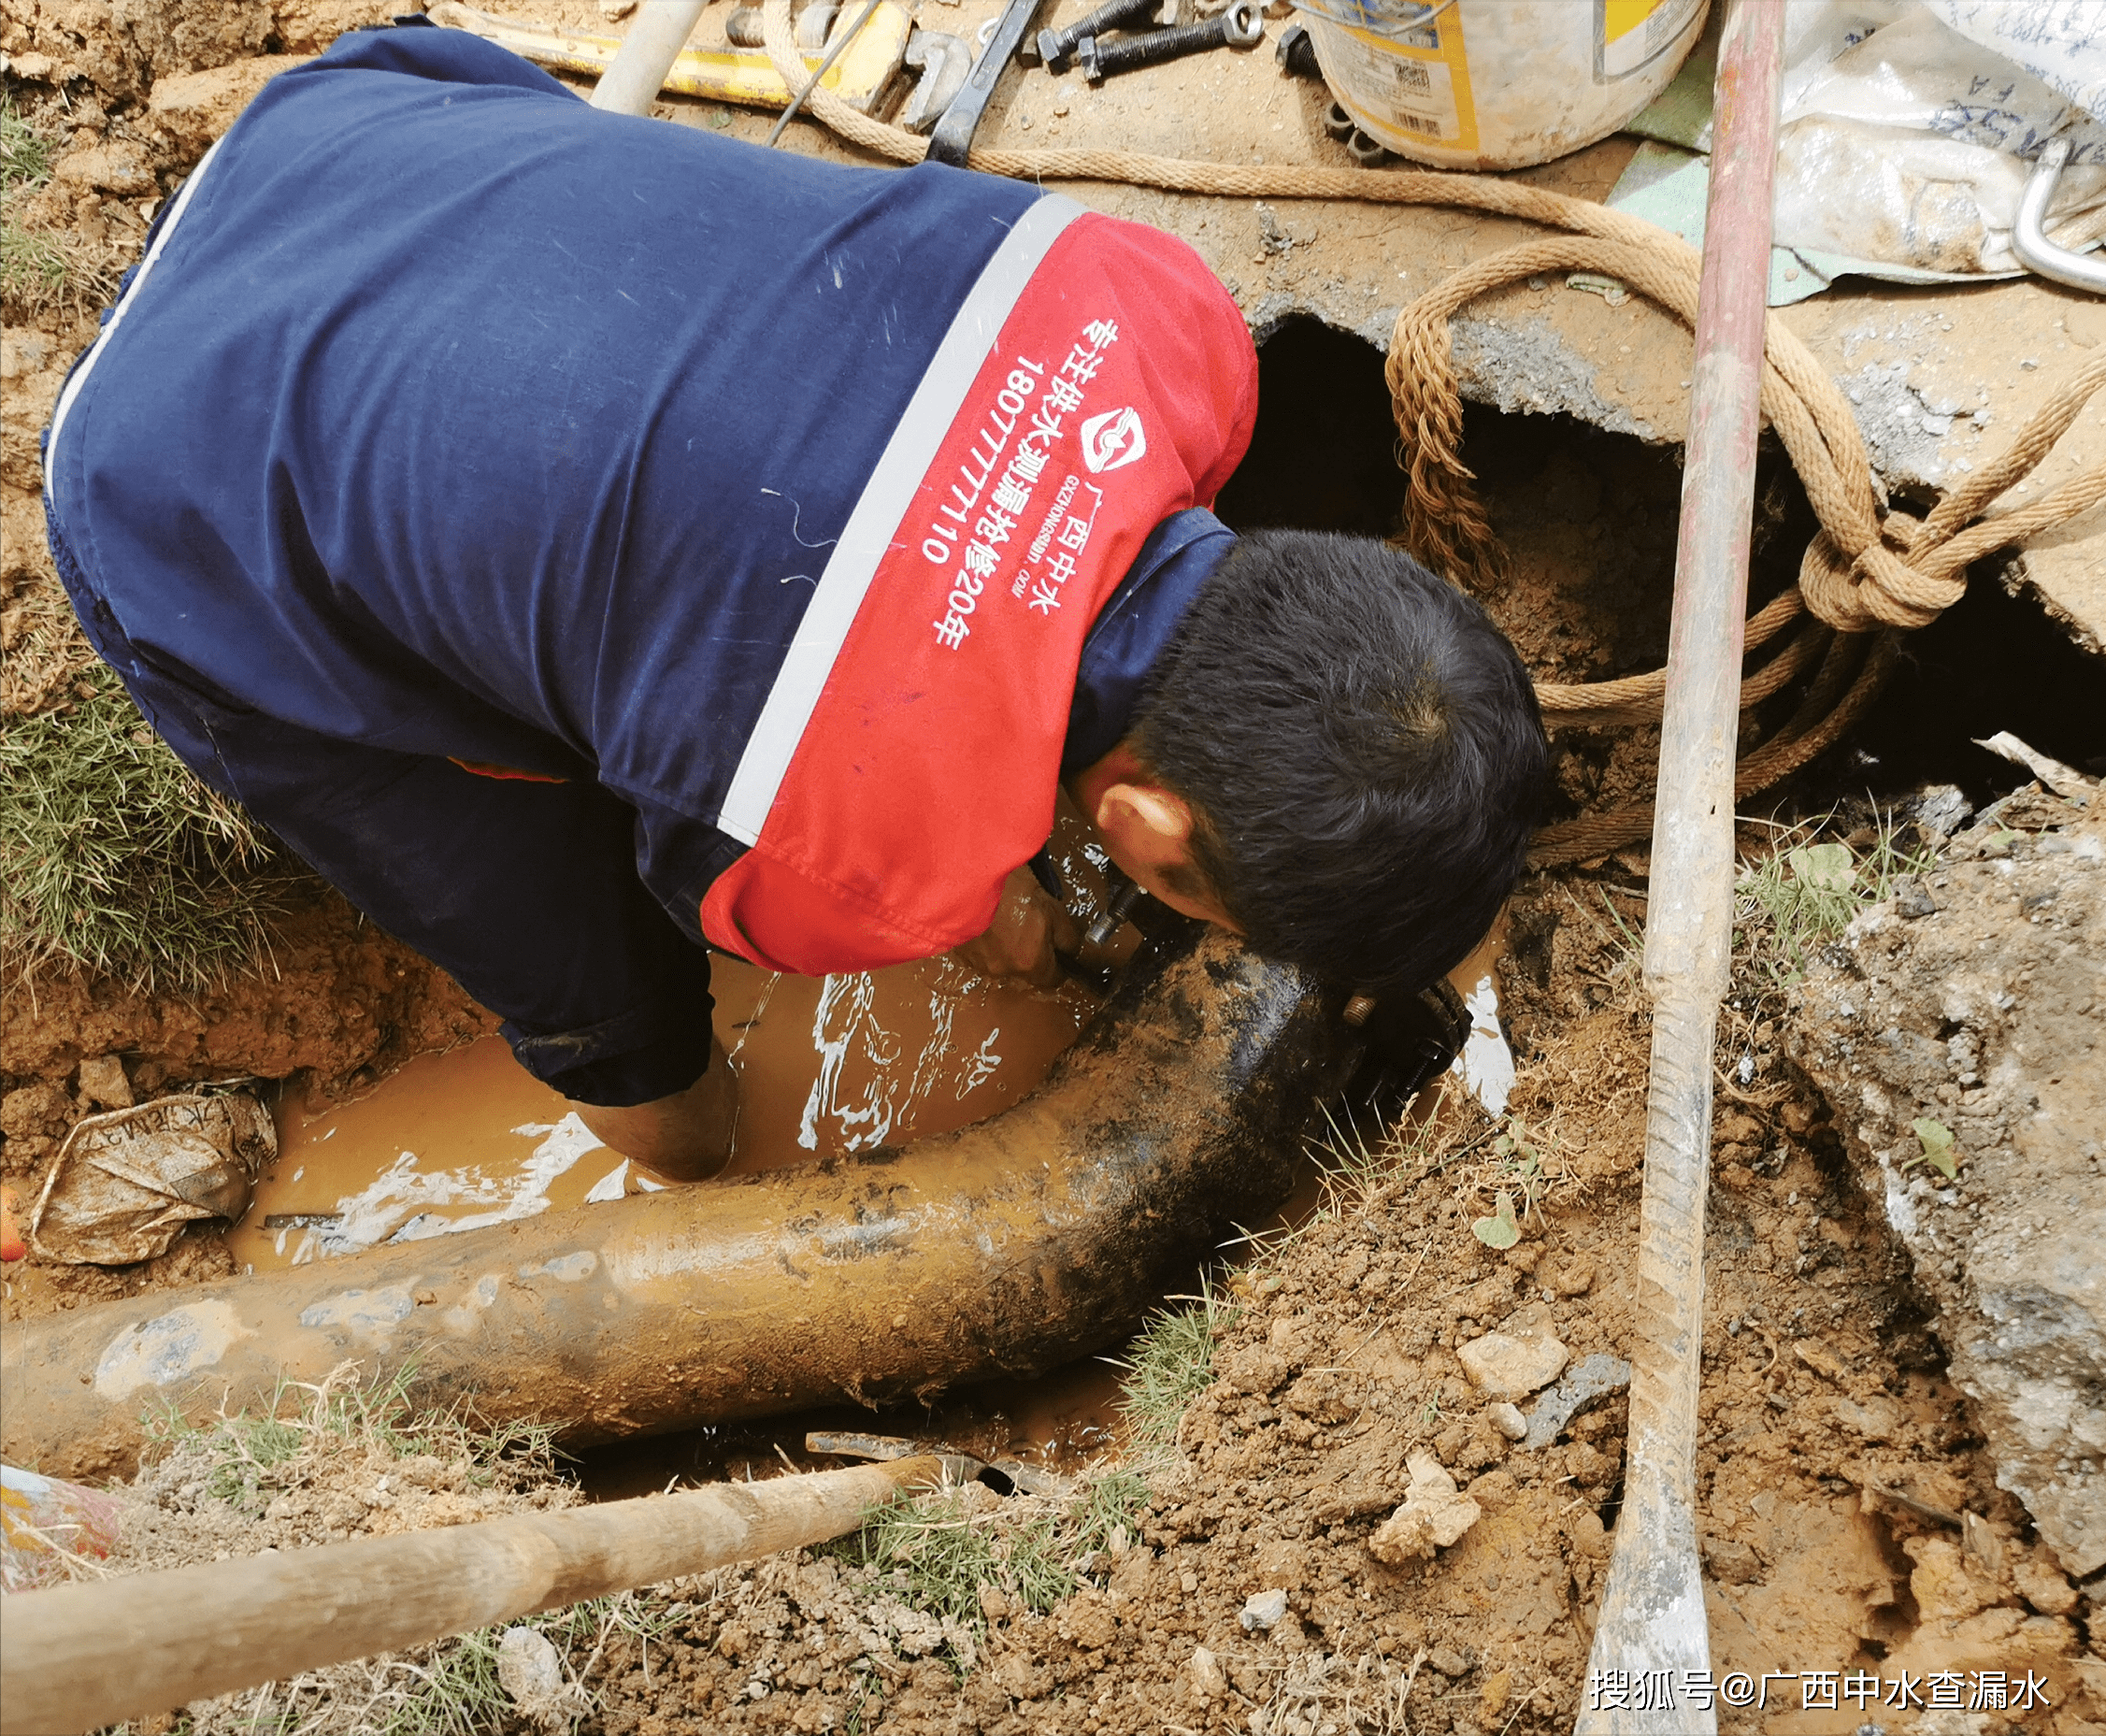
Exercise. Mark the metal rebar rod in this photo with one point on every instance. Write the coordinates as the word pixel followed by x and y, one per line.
pixel 1652 1637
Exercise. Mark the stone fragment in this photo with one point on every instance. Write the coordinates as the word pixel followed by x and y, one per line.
pixel 1819 1358
pixel 1507 1419
pixel 1449 1661
pixel 1947 1586
pixel 104 1085
pixel 530 1669
pixel 1522 1357
pixel 1987 1016
pixel 1732 1562
pixel 1876 1419
pixel 2042 1586
pixel 1206 1672
pixel 1433 1516
pixel 118 168
pixel 1585 1387
pixel 1087 1618
pixel 1262 1611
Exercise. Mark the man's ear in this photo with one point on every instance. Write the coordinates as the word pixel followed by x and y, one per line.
pixel 1144 812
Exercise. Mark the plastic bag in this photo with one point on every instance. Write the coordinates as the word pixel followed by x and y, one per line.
pixel 1909 127
pixel 124 1184
pixel 43 1520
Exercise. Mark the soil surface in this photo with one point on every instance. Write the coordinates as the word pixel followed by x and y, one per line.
pixel 1852 1512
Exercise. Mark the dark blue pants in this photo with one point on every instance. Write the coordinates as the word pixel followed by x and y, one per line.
pixel 527 892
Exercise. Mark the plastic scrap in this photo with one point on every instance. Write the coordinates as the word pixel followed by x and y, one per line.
pixel 1584 1386
pixel 125 1182
pixel 1908 131
pixel 43 1521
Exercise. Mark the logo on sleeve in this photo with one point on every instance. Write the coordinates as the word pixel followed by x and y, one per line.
pixel 1112 441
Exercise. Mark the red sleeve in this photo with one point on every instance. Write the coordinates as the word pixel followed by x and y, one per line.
pixel 782 917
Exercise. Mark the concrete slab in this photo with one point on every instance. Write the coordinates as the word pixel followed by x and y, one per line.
pixel 1941 377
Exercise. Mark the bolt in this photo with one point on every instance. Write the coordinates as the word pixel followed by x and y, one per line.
pixel 1057 45
pixel 1243 26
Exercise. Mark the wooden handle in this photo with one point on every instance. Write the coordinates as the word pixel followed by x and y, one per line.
pixel 76 1658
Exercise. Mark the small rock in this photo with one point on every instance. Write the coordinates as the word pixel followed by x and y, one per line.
pixel 1503 1365
pixel 2044 1588
pixel 1449 1661
pixel 1572 1277
pixel 1819 1358
pixel 1587 1385
pixel 1912 900
pixel 1946 1586
pixel 1261 1613
pixel 530 1669
pixel 1732 1562
pixel 1876 1420
pixel 1433 1516
pixel 103 1081
pixel 117 169
pixel 1206 1672
pixel 612 9
pixel 1507 1419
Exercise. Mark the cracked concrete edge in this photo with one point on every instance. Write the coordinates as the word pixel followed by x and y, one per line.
pixel 1910 427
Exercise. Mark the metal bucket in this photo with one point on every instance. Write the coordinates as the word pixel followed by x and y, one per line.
pixel 1497 84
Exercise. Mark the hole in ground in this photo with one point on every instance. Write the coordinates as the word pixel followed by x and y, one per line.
pixel 1591 517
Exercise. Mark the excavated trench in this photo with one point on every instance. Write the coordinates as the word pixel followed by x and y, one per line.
pixel 1815 1536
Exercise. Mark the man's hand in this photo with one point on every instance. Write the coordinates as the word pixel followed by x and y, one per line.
pixel 1018 946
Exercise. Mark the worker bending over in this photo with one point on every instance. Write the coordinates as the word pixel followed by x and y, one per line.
pixel 585 541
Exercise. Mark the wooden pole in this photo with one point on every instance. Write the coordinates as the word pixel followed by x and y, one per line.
pixel 76 1658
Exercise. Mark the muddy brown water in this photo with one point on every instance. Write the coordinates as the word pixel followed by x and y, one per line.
pixel 827 1066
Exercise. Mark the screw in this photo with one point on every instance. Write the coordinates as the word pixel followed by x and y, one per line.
pixel 1243 26
pixel 1057 45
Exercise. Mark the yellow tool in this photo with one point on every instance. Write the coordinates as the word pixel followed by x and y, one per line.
pixel 860 78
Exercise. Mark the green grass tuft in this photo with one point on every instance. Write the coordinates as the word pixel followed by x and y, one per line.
pixel 935 1552
pixel 26 154
pixel 1805 892
pixel 115 858
pixel 1170 1364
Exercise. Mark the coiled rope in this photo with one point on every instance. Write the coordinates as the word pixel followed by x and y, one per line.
pixel 1871 572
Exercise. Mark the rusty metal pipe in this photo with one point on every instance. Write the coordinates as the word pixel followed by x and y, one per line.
pixel 1005 1248
pixel 1653 1618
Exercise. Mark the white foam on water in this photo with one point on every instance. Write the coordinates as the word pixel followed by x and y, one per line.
pixel 1485 1065
pixel 400 1204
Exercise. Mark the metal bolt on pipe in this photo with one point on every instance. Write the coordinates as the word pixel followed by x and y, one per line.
pixel 1652 1626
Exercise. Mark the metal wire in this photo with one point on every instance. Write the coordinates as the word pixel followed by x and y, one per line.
pixel 832 54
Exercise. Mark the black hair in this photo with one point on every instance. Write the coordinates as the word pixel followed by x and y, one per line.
pixel 1363 750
